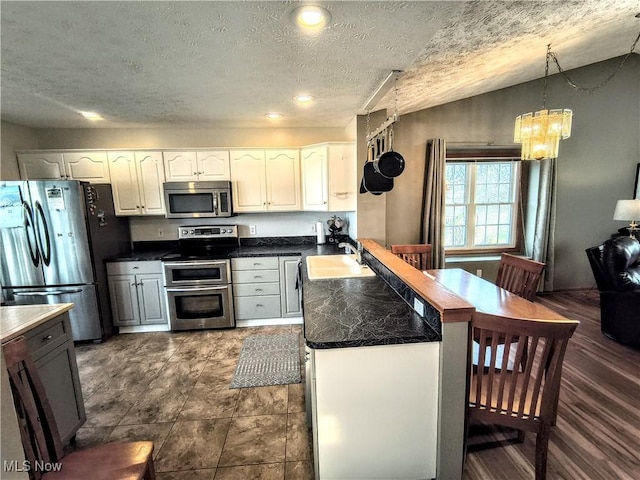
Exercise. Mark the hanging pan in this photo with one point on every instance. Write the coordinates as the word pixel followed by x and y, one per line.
pixel 372 181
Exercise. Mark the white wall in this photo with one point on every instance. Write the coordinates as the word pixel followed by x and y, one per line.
pixel 281 224
pixel 14 137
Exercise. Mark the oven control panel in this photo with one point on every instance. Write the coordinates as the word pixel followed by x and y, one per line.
pixel 207 231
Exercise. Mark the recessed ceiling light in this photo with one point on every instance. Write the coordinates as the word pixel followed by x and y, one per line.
pixel 303 99
pixel 311 16
pixel 273 115
pixel 91 116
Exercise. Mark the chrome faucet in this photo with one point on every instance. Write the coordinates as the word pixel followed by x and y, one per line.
pixel 350 248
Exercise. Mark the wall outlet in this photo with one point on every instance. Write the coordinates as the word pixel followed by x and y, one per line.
pixel 479 273
pixel 252 229
pixel 160 233
pixel 313 228
pixel 418 306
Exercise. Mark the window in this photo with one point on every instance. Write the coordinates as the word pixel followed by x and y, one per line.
pixel 481 204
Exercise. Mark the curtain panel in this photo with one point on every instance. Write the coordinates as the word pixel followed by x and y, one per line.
pixel 432 216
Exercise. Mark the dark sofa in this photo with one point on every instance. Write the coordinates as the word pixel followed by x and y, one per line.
pixel 616 268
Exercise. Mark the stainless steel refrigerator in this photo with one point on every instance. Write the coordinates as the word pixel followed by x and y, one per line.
pixel 54 237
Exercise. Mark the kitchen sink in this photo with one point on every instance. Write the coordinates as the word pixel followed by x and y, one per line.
pixel 336 266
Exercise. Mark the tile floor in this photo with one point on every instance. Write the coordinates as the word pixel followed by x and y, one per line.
pixel 173 388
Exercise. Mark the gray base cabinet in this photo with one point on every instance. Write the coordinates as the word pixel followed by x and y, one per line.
pixel 52 350
pixel 137 293
pixel 265 287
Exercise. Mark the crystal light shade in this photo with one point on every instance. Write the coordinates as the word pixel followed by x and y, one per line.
pixel 540 132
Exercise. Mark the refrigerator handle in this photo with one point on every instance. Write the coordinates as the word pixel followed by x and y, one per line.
pixel 29 230
pixel 46 252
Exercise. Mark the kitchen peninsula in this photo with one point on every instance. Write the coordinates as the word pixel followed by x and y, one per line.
pixel 386 383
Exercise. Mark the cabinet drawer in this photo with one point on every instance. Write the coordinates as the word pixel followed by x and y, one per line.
pixel 265 306
pixel 254 263
pixel 129 268
pixel 250 289
pixel 257 276
pixel 44 338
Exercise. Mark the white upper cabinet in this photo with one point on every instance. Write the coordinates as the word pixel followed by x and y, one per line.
pixel 86 166
pixel 315 191
pixel 136 181
pixel 213 165
pixel 41 166
pixel 329 177
pixel 283 180
pixel 180 166
pixel 266 180
pixel 196 165
pixel 248 178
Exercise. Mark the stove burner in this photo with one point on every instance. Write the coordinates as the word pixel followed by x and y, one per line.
pixel 204 242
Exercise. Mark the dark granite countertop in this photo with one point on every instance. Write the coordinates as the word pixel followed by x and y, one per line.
pixel 359 312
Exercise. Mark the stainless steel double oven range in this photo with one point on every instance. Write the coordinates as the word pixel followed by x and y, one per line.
pixel 198 278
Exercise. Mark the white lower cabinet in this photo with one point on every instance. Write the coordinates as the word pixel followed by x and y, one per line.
pixel 137 293
pixel 397 386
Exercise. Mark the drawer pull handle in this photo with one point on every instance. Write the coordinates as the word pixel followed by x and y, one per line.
pixel 258 289
pixel 47 338
pixel 259 305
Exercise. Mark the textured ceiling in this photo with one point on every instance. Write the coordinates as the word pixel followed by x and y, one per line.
pixel 225 64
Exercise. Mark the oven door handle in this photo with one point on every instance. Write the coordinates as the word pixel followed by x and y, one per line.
pixel 195 289
pixel 195 263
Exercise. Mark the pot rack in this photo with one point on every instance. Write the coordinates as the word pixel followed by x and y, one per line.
pixel 387 83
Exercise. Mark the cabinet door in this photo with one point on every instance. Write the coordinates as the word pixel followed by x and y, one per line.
pixel 59 373
pixel 124 183
pixel 249 182
pixel 87 166
pixel 41 166
pixel 180 166
pixel 283 180
pixel 151 299
pixel 124 300
pixel 150 172
pixel 314 178
pixel 343 181
pixel 290 292
pixel 213 166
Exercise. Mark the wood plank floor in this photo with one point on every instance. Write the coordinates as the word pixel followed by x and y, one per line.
pixel 597 436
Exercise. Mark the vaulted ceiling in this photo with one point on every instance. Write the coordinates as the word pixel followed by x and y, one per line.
pixel 227 63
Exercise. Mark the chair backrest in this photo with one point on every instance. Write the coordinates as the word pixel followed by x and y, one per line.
pixel 418 255
pixel 519 275
pixel 39 431
pixel 520 386
pixel 594 254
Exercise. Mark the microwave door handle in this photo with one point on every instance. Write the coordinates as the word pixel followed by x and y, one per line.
pixel 215 203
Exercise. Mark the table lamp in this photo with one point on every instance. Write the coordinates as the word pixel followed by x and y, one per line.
pixel 628 210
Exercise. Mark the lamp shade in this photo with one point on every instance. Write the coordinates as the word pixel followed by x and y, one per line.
pixel 627 210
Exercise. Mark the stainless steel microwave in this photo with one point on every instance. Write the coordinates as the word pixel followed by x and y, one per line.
pixel 197 199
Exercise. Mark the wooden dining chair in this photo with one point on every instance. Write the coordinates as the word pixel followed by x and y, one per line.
pixel 418 255
pixel 519 275
pixel 41 440
pixel 527 399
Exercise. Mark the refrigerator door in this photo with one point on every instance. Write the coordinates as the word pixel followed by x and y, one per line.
pixel 20 261
pixel 60 218
pixel 84 317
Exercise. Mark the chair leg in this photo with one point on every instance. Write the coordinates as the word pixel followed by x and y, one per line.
pixel 542 446
pixel 520 436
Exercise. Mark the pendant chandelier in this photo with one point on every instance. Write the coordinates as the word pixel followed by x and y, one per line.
pixel 540 132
